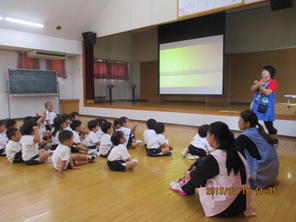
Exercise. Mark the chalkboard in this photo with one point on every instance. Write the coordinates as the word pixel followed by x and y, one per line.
pixel 32 82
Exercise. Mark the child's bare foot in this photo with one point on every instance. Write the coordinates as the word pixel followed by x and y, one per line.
pixel 61 175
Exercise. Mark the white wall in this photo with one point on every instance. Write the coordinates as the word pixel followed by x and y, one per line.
pixel 24 106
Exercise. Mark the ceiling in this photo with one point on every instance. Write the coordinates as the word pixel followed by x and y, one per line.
pixel 75 16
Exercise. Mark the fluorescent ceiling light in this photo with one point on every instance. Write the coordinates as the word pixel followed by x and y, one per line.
pixel 24 22
pixel 1 18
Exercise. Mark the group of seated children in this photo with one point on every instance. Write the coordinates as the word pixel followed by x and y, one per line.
pixel 154 140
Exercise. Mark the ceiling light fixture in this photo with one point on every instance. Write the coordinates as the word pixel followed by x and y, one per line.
pixel 23 22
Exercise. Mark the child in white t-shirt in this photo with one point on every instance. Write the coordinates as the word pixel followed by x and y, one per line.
pixel 58 126
pixel 68 120
pixel 78 146
pixel 149 133
pixel 106 143
pixel 3 138
pixel 50 115
pixel 100 122
pixel 30 147
pixel 10 123
pixel 129 133
pixel 92 140
pixel 119 158
pixel 62 158
pixel 157 146
pixel 199 146
pixel 13 147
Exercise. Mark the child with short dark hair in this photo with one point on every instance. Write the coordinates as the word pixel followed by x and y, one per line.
pixel 116 125
pixel 62 158
pixel 77 145
pixel 199 146
pixel 68 120
pixel 58 126
pixel 119 158
pixel 10 123
pixel 149 133
pixel 157 146
pixel 75 116
pixel 92 141
pixel 100 122
pixel 3 138
pixel 14 148
pixel 106 143
pixel 50 115
pixel 129 133
pixel 30 147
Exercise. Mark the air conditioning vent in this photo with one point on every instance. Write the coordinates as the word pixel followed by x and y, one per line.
pixel 46 55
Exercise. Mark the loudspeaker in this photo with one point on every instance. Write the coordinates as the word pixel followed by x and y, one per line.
pixel 280 4
pixel 89 37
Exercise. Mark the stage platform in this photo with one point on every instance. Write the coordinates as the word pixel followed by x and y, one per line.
pixel 284 111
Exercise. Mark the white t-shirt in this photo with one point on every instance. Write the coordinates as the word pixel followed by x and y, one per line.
pixel 201 143
pixel 42 127
pixel 156 141
pixel 61 153
pixel 119 153
pixel 3 140
pixel 76 137
pixel 126 132
pixel 148 135
pixel 91 139
pixel 105 144
pixel 12 148
pixel 68 128
pixel 29 148
pixel 50 116
pixel 100 133
pixel 55 139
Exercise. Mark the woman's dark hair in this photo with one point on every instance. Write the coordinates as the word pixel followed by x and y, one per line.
pixel 226 141
pixel 271 70
pixel 203 130
pixel 100 121
pixel 65 135
pixel 9 123
pixel 27 127
pixel 159 128
pixel 75 124
pixel 251 117
pixel 106 126
pixel 11 132
pixel 92 124
pixel 57 122
pixel 150 123
pixel 73 114
pixel 115 138
pixel 122 120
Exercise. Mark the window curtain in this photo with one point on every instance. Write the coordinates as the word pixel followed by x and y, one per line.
pixel 110 70
pixel 26 62
pixel 58 66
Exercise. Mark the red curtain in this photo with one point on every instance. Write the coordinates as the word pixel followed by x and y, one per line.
pixel 110 70
pixel 25 62
pixel 58 66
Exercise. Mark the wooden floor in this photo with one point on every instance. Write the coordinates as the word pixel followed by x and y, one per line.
pixel 94 193
pixel 283 111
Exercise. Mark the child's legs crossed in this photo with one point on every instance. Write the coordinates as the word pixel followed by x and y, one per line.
pixel 80 159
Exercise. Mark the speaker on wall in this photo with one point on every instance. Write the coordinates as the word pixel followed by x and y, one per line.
pixel 90 37
pixel 280 4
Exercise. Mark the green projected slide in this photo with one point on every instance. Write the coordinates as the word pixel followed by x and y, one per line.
pixel 192 67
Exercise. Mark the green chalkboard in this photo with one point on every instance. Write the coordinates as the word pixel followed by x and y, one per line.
pixel 32 82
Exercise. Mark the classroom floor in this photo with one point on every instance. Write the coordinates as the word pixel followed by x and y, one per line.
pixel 94 193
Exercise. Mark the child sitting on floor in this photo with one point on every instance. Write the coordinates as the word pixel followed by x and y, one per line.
pixel 106 144
pixel 62 158
pixel 13 147
pixel 58 126
pixel 129 133
pixel 68 120
pixel 157 146
pixel 77 145
pixel 119 159
pixel 10 123
pixel 149 133
pixel 199 146
pixel 100 122
pixel 92 141
pixel 50 115
pixel 3 138
pixel 30 147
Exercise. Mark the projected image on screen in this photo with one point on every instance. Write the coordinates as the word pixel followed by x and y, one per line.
pixel 192 67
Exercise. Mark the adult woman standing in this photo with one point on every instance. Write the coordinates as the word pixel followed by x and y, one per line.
pixel 257 147
pixel 264 99
pixel 223 169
